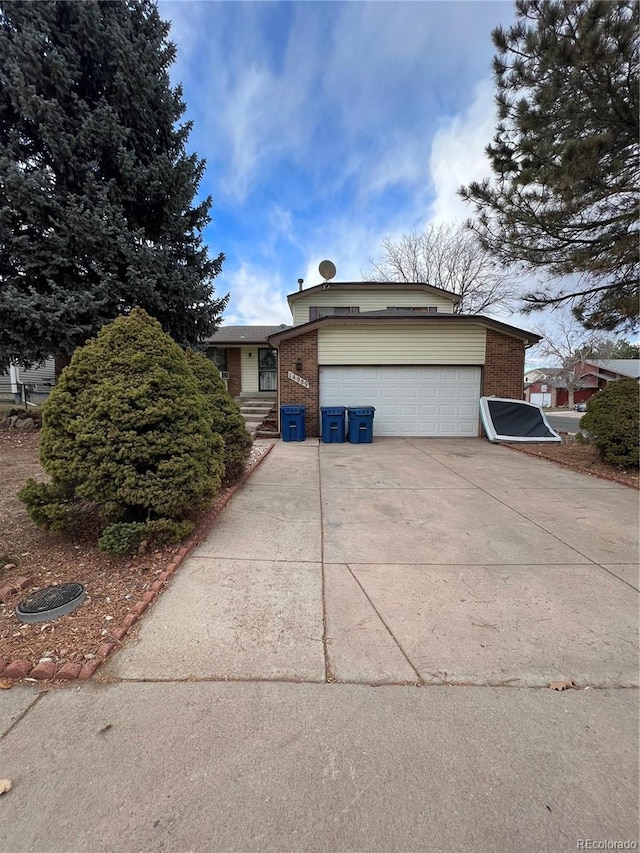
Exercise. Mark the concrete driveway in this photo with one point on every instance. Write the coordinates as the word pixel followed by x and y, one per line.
pixel 395 568
pixel 406 561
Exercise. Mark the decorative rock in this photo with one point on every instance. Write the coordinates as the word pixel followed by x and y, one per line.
pixel 13 420
pixel 23 583
pixel 17 669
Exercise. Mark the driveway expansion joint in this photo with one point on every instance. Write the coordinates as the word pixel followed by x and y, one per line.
pixel 328 675
pixel 502 684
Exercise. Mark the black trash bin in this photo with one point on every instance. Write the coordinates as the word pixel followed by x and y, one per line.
pixel 361 424
pixel 292 423
pixel 333 429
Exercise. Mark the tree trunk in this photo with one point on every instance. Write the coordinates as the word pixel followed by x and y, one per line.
pixel 62 359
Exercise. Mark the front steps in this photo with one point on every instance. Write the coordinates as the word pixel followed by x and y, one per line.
pixel 254 410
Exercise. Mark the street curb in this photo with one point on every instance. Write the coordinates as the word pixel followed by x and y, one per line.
pixel 17 670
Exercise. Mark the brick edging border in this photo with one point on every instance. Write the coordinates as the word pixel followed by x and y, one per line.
pixel 49 671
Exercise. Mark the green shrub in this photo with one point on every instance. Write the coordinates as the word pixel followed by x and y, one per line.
pixel 127 429
pixel 48 506
pixel 224 415
pixel 613 422
pixel 121 538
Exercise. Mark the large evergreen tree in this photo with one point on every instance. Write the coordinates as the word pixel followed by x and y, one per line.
pixel 564 196
pixel 98 208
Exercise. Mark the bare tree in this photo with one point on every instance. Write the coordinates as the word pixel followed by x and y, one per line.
pixel 569 344
pixel 450 257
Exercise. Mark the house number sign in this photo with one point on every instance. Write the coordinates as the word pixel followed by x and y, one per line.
pixel 294 378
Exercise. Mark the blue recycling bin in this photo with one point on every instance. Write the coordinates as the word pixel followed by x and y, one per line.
pixel 361 424
pixel 332 423
pixel 292 423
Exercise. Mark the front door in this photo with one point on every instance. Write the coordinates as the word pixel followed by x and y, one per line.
pixel 267 370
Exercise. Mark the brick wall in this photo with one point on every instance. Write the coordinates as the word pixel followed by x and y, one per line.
pixel 235 372
pixel 303 348
pixel 504 366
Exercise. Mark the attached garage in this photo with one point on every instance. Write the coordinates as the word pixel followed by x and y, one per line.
pixel 402 350
pixel 409 400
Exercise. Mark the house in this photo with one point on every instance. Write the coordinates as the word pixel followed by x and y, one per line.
pixel 397 347
pixel 541 385
pixel 245 358
pixel 548 386
pixel 20 384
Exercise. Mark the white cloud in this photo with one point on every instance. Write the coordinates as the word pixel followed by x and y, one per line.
pixel 351 94
pixel 458 155
pixel 256 297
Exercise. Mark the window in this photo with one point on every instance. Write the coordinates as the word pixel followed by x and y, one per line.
pixel 218 356
pixel 337 311
pixel 421 309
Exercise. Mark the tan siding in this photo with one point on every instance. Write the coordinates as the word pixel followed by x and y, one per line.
pixel 373 301
pixel 249 364
pixel 441 344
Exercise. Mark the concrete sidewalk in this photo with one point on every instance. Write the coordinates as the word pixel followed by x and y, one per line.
pixel 398 568
pixel 279 767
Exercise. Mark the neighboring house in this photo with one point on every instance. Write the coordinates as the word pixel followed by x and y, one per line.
pixel 540 386
pixel 400 348
pixel 546 386
pixel 34 383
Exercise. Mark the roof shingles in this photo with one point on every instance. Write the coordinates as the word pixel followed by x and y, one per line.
pixel 225 335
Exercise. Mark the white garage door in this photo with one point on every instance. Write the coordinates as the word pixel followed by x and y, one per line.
pixel 431 401
pixel 541 399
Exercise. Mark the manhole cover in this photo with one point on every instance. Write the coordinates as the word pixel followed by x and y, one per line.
pixel 51 602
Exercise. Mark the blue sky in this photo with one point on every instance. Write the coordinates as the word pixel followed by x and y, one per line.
pixel 327 126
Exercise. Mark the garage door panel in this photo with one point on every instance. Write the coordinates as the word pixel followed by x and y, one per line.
pixel 408 393
pixel 411 401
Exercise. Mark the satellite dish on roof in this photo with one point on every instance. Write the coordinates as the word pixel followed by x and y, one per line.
pixel 327 270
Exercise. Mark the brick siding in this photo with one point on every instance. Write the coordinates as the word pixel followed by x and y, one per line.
pixel 234 369
pixel 303 348
pixel 504 366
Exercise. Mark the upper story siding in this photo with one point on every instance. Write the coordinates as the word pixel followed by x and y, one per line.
pixel 378 299
pixel 446 343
